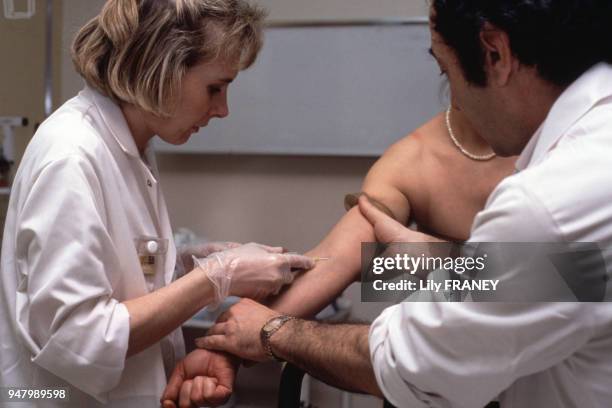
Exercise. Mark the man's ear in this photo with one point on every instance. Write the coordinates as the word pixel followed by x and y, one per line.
pixel 499 61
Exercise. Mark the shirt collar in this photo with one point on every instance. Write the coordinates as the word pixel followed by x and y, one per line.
pixel 578 99
pixel 523 160
pixel 114 120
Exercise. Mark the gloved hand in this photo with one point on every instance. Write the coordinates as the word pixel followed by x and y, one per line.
pixel 252 270
pixel 185 254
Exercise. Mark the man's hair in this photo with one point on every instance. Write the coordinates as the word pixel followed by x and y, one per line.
pixel 560 38
pixel 137 51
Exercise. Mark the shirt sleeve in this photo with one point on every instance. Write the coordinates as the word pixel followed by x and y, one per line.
pixel 427 354
pixel 66 313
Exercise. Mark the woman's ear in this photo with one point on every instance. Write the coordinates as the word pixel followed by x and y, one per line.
pixel 499 61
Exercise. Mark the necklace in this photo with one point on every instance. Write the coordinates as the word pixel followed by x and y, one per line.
pixel 483 157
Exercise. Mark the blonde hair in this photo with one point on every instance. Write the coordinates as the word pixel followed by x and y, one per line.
pixel 137 51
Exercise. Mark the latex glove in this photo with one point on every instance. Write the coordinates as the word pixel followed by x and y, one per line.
pixel 251 270
pixel 186 254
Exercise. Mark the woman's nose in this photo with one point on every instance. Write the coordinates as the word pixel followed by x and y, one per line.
pixel 221 109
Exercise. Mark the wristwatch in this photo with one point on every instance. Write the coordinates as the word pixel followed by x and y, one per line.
pixel 268 329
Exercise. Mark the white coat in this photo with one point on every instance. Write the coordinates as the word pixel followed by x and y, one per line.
pixel 81 197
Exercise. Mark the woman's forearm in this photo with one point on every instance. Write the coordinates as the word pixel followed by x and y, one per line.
pixel 155 315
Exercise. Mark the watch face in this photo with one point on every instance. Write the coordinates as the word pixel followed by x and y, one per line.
pixel 273 325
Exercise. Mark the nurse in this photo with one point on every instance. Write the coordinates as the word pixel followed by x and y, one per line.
pixel 88 299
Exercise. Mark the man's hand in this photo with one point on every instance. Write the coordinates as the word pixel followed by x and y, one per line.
pixel 237 331
pixel 202 378
pixel 387 229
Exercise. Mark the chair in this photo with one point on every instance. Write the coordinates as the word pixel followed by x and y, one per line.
pixel 290 387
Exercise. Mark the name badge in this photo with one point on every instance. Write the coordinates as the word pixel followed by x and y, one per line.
pixel 151 252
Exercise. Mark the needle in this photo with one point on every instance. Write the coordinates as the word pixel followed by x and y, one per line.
pixel 315 259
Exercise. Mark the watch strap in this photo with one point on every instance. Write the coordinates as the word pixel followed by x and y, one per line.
pixel 266 333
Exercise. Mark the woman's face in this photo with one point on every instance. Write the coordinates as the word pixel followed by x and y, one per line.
pixel 203 97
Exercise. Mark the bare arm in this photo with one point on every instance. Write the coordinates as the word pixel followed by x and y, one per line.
pixel 336 354
pixel 313 290
pixel 156 314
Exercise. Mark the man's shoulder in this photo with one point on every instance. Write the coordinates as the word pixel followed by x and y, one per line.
pixel 416 147
pixel 410 146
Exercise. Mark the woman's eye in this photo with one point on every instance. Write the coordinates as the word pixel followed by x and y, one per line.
pixel 214 89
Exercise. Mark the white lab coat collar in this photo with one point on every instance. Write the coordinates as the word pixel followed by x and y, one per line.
pixel 114 120
pixel 579 98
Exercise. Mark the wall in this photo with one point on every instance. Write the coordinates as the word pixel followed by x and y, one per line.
pixel 75 13
pixel 292 10
pixel 22 43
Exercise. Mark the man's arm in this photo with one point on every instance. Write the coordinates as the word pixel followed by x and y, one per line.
pixel 315 289
pixel 336 354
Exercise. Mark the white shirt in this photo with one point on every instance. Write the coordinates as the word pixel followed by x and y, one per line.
pixel 81 197
pixel 530 354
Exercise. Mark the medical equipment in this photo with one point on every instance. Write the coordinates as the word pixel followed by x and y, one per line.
pixel 7 149
pixel 5 171
pixel 10 13
pixel 7 123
